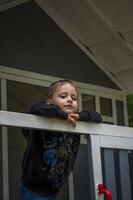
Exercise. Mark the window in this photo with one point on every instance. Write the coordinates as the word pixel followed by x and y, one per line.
pixel 107 103
pixel 88 102
pixel 106 106
pixel 120 112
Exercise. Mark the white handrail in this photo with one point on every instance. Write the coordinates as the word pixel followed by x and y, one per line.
pixel 31 121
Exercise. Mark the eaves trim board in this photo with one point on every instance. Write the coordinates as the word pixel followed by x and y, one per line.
pixel 12 73
pixel 7 4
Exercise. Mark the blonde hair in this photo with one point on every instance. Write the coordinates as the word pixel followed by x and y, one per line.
pixel 52 88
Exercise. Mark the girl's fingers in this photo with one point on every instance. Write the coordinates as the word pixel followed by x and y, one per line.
pixel 71 120
pixel 74 116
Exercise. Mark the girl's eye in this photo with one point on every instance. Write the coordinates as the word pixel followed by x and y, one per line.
pixel 62 96
pixel 74 98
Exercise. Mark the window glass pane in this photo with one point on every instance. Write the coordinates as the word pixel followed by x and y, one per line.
pixel 88 102
pixel 120 112
pixel 20 96
pixel 106 106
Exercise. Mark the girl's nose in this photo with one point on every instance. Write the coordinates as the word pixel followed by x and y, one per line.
pixel 69 99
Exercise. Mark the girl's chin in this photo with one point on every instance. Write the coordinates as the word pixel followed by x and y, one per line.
pixel 69 111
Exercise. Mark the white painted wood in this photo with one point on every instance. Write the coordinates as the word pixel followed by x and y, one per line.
pixel 44 80
pixel 116 142
pixel 125 111
pixel 97 103
pixel 114 111
pixel 5 168
pixel 96 163
pixel 108 119
pixel 37 122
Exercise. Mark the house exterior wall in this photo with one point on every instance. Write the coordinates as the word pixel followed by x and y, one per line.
pixel 32 42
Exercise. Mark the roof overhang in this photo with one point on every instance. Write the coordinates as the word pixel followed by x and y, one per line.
pixel 102 29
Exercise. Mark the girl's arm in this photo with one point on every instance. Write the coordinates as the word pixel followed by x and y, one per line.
pixel 48 110
pixel 90 116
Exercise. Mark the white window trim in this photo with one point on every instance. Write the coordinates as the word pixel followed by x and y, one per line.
pixel 23 76
pixel 4 130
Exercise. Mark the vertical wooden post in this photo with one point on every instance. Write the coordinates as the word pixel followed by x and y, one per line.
pixel 4 143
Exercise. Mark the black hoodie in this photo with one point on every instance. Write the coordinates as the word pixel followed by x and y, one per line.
pixel 50 156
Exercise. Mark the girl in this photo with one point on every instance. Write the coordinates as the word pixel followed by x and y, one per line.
pixel 50 156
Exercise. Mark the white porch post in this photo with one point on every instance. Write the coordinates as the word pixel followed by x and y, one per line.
pixel 4 143
pixel 96 163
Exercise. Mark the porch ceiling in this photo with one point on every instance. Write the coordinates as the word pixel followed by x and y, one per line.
pixel 102 29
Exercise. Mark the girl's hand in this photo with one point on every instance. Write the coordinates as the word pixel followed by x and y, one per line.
pixel 72 118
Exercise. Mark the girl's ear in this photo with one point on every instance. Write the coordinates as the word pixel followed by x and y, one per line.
pixel 49 101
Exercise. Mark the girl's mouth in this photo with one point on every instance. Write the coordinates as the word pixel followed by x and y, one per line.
pixel 68 106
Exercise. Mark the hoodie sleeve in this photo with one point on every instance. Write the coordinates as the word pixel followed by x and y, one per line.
pixel 48 110
pixel 90 116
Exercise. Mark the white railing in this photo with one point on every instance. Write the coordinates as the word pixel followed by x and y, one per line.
pixel 37 122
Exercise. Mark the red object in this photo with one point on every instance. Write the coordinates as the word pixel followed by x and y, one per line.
pixel 103 190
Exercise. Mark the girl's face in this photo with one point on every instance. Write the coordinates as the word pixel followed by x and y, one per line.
pixel 65 97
